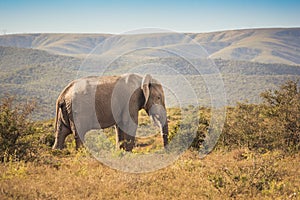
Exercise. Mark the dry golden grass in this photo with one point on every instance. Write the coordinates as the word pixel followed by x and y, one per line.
pixel 239 174
pixel 269 171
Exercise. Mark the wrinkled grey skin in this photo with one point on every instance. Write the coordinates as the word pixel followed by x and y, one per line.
pixel 102 102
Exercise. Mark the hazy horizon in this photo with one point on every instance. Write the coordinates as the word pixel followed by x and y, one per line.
pixel 117 17
pixel 148 28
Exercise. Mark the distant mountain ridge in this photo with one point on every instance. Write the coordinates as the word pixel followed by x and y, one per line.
pixel 65 44
pixel 276 45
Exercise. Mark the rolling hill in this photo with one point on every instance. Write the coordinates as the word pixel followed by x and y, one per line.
pixel 39 66
pixel 277 45
pixel 35 74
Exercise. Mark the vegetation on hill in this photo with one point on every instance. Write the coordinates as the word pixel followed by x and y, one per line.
pixel 35 74
pixel 256 157
pixel 29 73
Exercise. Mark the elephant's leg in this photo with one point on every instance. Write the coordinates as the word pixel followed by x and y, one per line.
pixel 119 137
pixel 124 140
pixel 61 133
pixel 129 142
pixel 78 142
pixel 77 138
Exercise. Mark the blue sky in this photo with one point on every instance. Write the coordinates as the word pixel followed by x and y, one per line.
pixel 92 16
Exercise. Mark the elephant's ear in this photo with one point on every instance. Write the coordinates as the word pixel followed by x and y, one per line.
pixel 145 87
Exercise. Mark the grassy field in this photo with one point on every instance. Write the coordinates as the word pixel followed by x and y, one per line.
pixel 257 156
pixel 238 174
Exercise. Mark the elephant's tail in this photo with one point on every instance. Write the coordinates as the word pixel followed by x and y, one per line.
pixel 58 106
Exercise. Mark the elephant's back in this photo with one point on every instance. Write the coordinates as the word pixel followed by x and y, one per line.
pixel 87 85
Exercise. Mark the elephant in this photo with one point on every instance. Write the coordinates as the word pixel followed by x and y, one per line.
pixel 99 102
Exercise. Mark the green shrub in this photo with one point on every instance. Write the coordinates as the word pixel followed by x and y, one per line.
pixel 284 110
pixel 273 124
pixel 16 142
pixel 190 128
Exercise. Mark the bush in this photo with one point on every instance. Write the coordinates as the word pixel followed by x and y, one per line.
pixel 16 130
pixel 246 126
pixel 284 110
pixel 273 124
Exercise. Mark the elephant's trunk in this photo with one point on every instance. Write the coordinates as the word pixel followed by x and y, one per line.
pixel 159 116
pixel 163 124
pixel 165 133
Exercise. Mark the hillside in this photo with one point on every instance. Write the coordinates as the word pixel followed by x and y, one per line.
pixel 259 45
pixel 39 66
pixel 65 44
pixel 280 45
pixel 37 74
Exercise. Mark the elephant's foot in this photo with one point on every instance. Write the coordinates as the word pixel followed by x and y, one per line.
pixel 56 146
pixel 128 143
pixel 79 143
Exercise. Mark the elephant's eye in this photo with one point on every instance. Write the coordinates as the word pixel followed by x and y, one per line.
pixel 158 97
